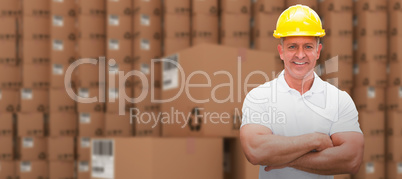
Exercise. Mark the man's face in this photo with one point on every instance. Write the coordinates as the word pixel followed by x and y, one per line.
pixel 299 55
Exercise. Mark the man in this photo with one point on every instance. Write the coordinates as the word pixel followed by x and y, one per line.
pixel 298 126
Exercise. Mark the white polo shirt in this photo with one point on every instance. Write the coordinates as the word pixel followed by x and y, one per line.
pixel 324 108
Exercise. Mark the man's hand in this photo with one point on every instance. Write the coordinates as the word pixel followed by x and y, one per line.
pixel 324 141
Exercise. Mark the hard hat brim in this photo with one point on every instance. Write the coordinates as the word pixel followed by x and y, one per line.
pixel 290 34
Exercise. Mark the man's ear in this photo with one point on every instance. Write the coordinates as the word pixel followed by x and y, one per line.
pixel 319 51
pixel 280 51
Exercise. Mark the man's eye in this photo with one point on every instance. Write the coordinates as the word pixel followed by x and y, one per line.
pixel 292 47
pixel 309 47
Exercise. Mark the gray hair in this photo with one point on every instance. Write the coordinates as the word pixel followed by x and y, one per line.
pixel 317 38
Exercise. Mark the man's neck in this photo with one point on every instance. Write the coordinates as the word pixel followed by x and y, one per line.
pixel 301 85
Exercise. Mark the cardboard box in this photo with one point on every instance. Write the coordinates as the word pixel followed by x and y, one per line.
pixel 63 27
pixel 9 30
pixel 235 7
pixel 339 24
pixel 85 95
pixel 37 8
pixel 91 7
pixel 370 5
pixel 62 124
pixel 204 29
pixel 35 76
pixel 374 148
pixel 33 169
pixel 83 170
pixel 32 148
pixel 119 7
pixel 267 6
pixel 394 6
pixel 32 124
pixel 118 125
pixel 7 148
pixel 269 44
pixel 395 74
pixel 394 98
pixel 61 169
pixel 235 26
pixel 7 124
pixel 61 149
pixel 60 101
pixel 10 77
pixel 394 148
pixel 338 72
pixel 9 101
pixel 178 7
pixel 328 6
pixel 370 170
pixel 235 164
pixel 395 44
pixel 394 124
pixel 313 4
pixel 64 8
pixel 10 8
pixel 186 152
pixel 91 27
pixel 372 123
pixel 176 26
pixel 371 74
pixel 369 98
pixel 8 169
pixel 63 51
pixel 174 45
pixel 191 60
pixel 204 7
pixel 236 42
pixel 338 47
pixel 264 25
pixel 394 170
pixel 147 49
pixel 120 50
pixel 8 50
pixel 147 26
pixel 89 75
pixel 57 76
pixel 119 27
pixel 34 100
pixel 83 149
pixel 148 7
pixel 36 52
pixel 36 28
pixel 91 124
pixel 372 24
pixel 117 101
pixel 91 48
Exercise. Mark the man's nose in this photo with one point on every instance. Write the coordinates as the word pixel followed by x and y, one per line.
pixel 300 53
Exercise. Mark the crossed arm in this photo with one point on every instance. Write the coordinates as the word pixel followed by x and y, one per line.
pixel 341 153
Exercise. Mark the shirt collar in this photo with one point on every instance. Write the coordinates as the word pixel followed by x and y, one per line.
pixel 282 85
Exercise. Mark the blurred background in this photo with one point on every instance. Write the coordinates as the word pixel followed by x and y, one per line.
pixel 44 133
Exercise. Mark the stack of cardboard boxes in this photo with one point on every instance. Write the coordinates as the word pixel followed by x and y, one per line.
pixel 204 22
pixel 176 25
pixel 235 23
pixel 394 93
pixel 10 83
pixel 370 82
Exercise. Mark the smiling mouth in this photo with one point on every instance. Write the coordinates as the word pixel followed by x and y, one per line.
pixel 300 63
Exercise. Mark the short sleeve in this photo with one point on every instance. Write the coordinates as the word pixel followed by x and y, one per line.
pixel 255 112
pixel 348 116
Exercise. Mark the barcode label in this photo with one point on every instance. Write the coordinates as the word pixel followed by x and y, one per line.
pixel 399 168
pixel 83 92
pixel 145 20
pixel 57 69
pixel 85 142
pixel 113 93
pixel 400 92
pixel 145 68
pixel 26 94
pixel 370 168
pixel 113 44
pixel 85 118
pixel 145 45
pixel 83 166
pixel 371 92
pixel 58 21
pixel 113 20
pixel 102 158
pixel 25 166
pixel 57 45
pixel 170 72
pixel 27 142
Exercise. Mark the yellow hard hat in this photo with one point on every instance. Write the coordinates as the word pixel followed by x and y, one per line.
pixel 299 20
